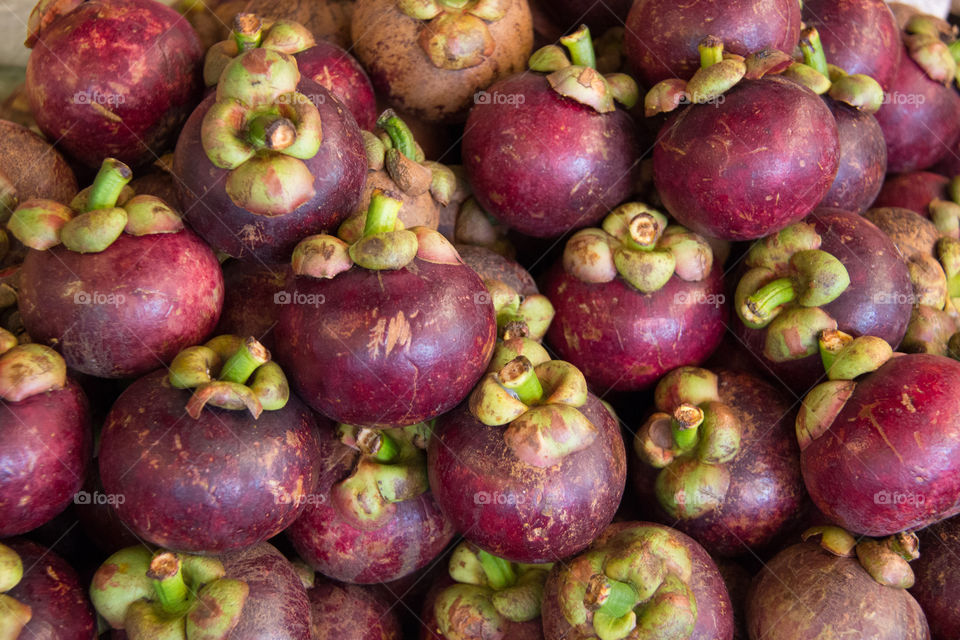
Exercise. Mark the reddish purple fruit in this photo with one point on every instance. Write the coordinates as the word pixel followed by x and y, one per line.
pixel 339 73
pixel 533 479
pixel 937 572
pixel 880 455
pixel 251 291
pixel 46 599
pixel 859 36
pixel 662 36
pixel 351 612
pixel 112 79
pixel 372 517
pixel 914 191
pixel 731 498
pixel 45 437
pixel 750 165
pixel 863 160
pixel 210 478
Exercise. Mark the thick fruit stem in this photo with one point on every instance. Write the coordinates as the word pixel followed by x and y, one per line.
pixel 687 419
pixel 377 444
pixel 580 46
pixel 612 597
pixel 272 133
pixel 399 132
pixel 711 51
pixel 110 181
pixel 500 573
pixel 518 376
pixel 168 583
pixel 241 365
pixel 812 49
pixel 247 31
pixel 382 214
pixel 762 304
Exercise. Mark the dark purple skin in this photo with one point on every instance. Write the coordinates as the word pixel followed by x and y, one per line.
pixel 219 483
pixel 937 573
pixel 167 292
pixel 662 36
pixel 805 592
pixel 920 121
pixel 889 462
pixel 45 447
pixel 599 16
pixel 863 160
pixel 58 601
pixel 430 630
pixel 766 491
pixel 409 541
pixel 250 297
pixel 351 612
pixel 714 610
pixel 339 169
pixel 115 79
pixel 339 73
pixel 98 516
pixel 490 264
pixel 859 36
pixel 877 302
pixel 748 166
pixel 548 165
pixel 949 164
pixel 277 607
pixel 912 191
pixel 625 340
pixel 518 511
pixel 387 348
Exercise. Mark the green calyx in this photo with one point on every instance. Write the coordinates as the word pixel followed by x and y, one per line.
pixel 539 404
pixel 490 592
pixel 690 438
pixel 637 244
pixel 390 467
pixel 931 43
pixel 846 358
pixel 229 372
pixel 576 77
pixel 14 615
pixel 249 33
pixel 456 35
pixel 167 595
pixel 888 560
pixel 857 90
pixel 637 584
pixel 718 73
pixel 519 316
pixel 29 369
pixel 820 408
pixel 96 217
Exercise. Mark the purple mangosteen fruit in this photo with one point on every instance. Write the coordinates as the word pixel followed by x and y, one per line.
pixel 490 265
pixel 879 452
pixel 30 168
pixel 637 580
pixel 837 588
pixel 214 455
pixel 41 596
pixel 834 270
pixel 635 299
pixel 388 331
pixel 271 156
pixel 546 154
pixel 351 612
pixel 719 459
pixel 662 36
pixel 483 597
pixel 937 573
pixel 252 291
pixel 372 517
pixel 532 468
pixel 115 281
pixel 244 595
pixel 863 160
pixel 754 153
pixel 339 73
pixel 914 190
pixel 45 435
pixel 112 79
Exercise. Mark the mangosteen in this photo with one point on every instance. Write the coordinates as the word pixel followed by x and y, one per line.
pixel 271 156
pixel 251 292
pixel 339 73
pixel 936 577
pixel 532 468
pixel 635 299
pixel 112 79
pixel 386 332
pixel 214 455
pixel 372 517
pixel 351 612
pixel 547 154
pixel 30 168
pixel 837 588
pixel 914 190
pixel 115 281
pixel 638 579
pixel 429 59
pixel 720 460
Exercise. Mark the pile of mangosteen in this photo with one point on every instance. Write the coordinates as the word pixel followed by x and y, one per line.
pixel 481 320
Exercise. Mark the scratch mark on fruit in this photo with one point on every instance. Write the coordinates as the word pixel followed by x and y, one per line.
pixel 907 402
pixel 867 412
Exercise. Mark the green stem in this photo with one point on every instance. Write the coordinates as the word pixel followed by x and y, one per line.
pixel 812 48
pixel 519 376
pixel 642 234
pixel 499 572
pixel 685 425
pixel 247 31
pixel 399 132
pixel 382 214
pixel 109 183
pixel 955 50
pixel 831 343
pixel 241 365
pixel 612 597
pixel 580 46
pixel 266 131
pixel 378 445
pixel 172 592
pixel 953 188
pixel 711 51
pixel 773 294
